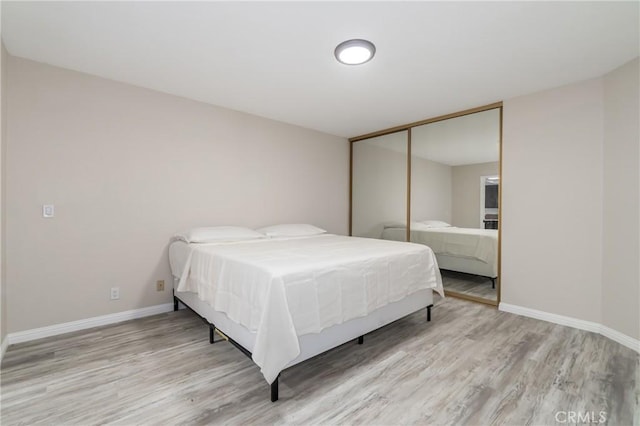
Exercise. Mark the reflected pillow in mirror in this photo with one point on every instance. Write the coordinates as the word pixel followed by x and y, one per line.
pixel 435 224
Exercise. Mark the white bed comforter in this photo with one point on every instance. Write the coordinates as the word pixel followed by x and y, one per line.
pixel 284 288
pixel 481 244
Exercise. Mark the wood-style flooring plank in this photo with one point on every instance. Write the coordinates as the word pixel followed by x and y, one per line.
pixel 471 365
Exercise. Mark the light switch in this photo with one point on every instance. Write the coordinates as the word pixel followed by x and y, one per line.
pixel 48 210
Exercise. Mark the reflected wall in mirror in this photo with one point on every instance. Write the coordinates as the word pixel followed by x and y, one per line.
pixel 454 180
pixel 379 184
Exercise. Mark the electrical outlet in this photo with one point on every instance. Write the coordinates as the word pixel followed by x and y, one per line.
pixel 115 293
pixel 160 285
pixel 48 210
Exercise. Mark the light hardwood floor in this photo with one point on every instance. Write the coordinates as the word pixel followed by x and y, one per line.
pixel 471 365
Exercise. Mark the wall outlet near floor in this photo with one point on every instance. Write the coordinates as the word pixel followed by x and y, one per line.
pixel 115 293
pixel 48 210
pixel 160 285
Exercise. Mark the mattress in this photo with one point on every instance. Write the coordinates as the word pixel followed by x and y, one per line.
pixel 281 289
pixel 471 243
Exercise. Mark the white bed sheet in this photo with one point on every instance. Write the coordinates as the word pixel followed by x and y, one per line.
pixel 284 288
pixel 472 243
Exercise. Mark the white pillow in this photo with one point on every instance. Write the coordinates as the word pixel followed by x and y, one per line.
pixel 291 230
pixel 217 234
pixel 435 224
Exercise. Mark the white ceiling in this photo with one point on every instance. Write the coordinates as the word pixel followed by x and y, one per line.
pixel 276 59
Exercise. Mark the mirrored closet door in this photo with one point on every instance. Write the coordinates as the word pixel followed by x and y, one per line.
pixel 455 167
pixel 379 186
pixel 436 182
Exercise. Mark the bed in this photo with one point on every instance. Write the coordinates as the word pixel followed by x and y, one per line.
pixel 469 250
pixel 307 293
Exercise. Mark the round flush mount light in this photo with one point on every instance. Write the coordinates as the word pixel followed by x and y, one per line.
pixel 355 52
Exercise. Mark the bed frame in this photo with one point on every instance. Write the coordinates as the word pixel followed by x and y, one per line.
pixel 466 265
pixel 310 344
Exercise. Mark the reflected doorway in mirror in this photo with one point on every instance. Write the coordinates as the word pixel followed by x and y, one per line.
pixel 489 195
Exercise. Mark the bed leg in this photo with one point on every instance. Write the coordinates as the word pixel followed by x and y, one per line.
pixel 360 340
pixel 429 312
pixel 493 283
pixel 175 303
pixel 212 329
pixel 274 389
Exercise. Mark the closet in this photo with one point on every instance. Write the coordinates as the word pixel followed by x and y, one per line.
pixel 436 182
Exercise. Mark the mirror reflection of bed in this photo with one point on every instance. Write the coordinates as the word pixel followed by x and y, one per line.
pixel 444 194
pixel 455 173
pixel 467 257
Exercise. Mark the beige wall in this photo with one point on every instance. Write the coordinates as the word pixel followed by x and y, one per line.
pixel 466 193
pixel 3 129
pixel 621 236
pixel 379 184
pixel 571 228
pixel 430 190
pixel 552 215
pixel 126 168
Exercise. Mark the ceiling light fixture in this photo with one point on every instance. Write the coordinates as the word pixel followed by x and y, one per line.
pixel 355 52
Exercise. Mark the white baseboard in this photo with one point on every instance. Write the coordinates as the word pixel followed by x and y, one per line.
pixel 595 327
pixel 549 317
pixel 621 338
pixel 67 327
pixel 54 330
